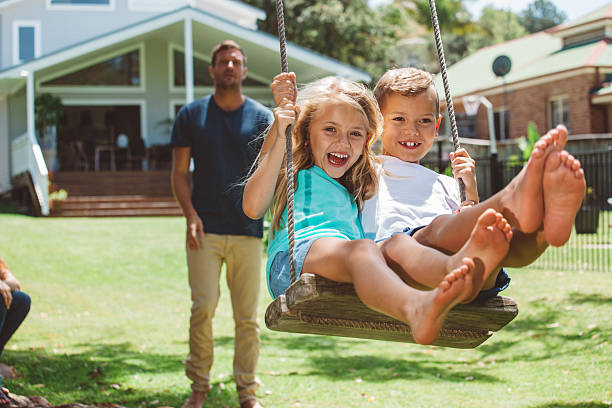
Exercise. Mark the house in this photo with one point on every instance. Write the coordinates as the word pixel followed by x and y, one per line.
pixel 560 75
pixel 122 69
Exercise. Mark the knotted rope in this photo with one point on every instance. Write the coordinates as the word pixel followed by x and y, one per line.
pixel 447 94
pixel 289 153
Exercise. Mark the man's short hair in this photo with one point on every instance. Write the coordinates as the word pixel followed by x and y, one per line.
pixel 223 46
pixel 406 82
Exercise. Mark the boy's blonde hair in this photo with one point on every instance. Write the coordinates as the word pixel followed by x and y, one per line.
pixel 360 179
pixel 406 82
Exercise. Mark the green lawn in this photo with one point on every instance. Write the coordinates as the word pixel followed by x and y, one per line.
pixel 109 323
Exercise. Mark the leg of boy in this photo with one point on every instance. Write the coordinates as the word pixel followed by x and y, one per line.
pixel 521 202
pixel 378 287
pixel 487 246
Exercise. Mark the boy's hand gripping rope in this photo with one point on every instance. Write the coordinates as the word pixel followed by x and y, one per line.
pixel 289 156
pixel 449 99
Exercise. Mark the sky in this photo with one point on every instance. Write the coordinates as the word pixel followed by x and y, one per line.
pixel 573 8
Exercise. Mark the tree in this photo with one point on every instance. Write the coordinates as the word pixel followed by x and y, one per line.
pixel 496 26
pixel 540 15
pixel 347 30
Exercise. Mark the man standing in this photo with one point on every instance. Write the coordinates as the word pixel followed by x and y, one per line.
pixel 220 132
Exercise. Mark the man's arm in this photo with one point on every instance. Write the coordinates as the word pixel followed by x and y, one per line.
pixel 181 156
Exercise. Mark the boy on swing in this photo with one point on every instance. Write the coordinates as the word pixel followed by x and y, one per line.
pixel 540 202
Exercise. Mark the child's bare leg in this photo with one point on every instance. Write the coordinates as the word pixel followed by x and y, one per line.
pixel 487 246
pixel 362 263
pixel 563 186
pixel 524 249
pixel 521 202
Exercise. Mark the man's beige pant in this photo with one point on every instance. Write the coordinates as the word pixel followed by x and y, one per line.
pixel 242 256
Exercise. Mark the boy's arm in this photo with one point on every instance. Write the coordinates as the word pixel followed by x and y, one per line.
pixel 464 168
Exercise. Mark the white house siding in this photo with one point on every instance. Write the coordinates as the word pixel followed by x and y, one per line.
pixel 5 145
pixel 86 24
pixel 17 120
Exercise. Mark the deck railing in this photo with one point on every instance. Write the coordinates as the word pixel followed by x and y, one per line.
pixel 27 157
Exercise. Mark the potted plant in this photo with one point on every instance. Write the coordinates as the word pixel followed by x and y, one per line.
pixel 56 201
pixel 587 218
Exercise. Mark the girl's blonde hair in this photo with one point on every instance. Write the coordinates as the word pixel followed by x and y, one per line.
pixel 360 180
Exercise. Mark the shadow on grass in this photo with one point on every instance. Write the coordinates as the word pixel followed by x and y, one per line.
pixel 378 369
pixel 544 325
pixel 101 373
pixel 581 404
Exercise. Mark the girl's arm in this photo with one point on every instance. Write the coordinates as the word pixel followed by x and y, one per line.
pixel 259 189
pixel 464 168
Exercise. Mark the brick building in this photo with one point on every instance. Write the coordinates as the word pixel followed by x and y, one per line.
pixel 561 75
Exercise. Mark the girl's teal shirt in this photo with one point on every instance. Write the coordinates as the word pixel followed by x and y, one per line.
pixel 323 208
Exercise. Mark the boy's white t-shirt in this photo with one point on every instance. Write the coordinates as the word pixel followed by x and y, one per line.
pixel 409 195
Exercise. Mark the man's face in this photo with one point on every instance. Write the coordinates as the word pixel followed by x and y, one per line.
pixel 229 70
pixel 410 125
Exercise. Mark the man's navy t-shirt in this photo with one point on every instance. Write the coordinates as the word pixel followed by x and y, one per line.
pixel 223 145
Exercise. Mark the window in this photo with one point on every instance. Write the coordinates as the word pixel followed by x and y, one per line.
pixel 26 41
pixel 558 112
pixel 501 117
pixel 76 5
pixel 201 77
pixel 466 125
pixel 121 70
pixel 81 2
pixel 200 70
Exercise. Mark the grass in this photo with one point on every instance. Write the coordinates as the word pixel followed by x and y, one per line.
pixel 109 323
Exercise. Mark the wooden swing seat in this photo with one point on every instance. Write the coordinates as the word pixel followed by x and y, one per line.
pixel 315 305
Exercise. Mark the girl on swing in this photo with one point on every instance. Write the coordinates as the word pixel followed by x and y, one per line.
pixel 337 120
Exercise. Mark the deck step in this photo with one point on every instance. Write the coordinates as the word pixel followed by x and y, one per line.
pixel 116 194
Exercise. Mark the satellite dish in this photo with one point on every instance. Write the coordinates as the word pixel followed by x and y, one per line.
pixel 502 65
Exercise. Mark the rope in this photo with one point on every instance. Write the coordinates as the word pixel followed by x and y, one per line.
pixel 289 153
pixel 449 99
pixel 385 326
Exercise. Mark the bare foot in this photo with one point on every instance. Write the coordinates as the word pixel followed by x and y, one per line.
pixel 559 135
pixel 427 320
pixel 195 400
pixel 522 202
pixel 564 185
pixel 487 246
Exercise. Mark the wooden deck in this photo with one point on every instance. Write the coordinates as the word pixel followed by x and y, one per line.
pixel 116 194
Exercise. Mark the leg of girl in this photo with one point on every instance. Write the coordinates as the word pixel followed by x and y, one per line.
pixel 361 262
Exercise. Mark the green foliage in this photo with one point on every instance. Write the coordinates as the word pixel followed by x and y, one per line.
pixel 495 26
pixel 525 145
pixel 349 31
pixel 540 15
pixel 48 111
pixel 59 195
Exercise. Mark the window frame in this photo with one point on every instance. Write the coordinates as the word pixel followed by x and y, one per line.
pixel 81 7
pixel 172 88
pixel 565 104
pixel 98 88
pixel 17 24
pixel 504 114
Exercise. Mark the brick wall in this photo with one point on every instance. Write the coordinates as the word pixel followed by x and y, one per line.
pixel 530 104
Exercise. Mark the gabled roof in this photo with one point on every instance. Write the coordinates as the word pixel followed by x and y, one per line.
pixel 602 13
pixel 307 64
pixel 533 56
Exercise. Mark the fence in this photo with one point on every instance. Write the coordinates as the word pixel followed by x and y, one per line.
pixel 590 245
